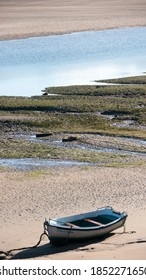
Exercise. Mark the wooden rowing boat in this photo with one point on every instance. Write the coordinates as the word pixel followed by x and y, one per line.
pixel 84 226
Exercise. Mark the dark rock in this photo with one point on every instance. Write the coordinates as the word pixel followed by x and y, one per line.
pixel 43 134
pixel 70 138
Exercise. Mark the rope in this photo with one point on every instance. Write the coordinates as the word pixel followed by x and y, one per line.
pixel 9 253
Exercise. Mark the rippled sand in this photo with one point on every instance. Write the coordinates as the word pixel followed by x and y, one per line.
pixel 27 198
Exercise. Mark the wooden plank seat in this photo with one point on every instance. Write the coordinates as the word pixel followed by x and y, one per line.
pixel 93 222
pixel 71 225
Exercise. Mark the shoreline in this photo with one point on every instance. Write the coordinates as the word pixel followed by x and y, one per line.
pixel 27 197
pixel 34 19
pixel 37 35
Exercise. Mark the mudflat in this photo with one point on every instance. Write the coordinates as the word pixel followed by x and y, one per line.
pixel 19 19
pixel 26 198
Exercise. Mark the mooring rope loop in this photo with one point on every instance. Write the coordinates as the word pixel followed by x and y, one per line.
pixel 9 253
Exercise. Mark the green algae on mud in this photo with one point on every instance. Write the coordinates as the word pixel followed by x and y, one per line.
pixel 74 109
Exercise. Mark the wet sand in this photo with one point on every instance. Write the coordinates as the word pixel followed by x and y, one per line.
pixel 27 198
pixel 20 19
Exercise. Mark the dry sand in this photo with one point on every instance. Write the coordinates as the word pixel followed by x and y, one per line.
pixel 26 198
pixel 29 18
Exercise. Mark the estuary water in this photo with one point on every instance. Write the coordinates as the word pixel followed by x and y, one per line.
pixel 33 164
pixel 27 66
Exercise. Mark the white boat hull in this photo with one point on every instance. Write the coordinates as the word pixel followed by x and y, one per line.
pixel 60 232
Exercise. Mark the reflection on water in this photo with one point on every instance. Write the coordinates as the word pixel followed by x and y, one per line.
pixel 27 66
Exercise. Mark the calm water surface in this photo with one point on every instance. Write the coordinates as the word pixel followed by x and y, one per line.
pixel 27 66
pixel 32 164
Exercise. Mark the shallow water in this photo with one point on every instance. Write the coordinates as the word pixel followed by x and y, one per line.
pixel 36 163
pixel 32 164
pixel 27 66
pixel 88 147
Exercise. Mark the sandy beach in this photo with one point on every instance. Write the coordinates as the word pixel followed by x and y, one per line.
pixel 27 198
pixel 19 19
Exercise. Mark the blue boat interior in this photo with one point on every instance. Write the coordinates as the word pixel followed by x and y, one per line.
pixel 93 221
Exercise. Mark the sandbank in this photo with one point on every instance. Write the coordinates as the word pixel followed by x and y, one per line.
pixel 21 19
pixel 26 198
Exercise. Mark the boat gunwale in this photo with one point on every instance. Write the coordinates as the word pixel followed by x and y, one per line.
pixel 68 228
pixel 62 219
